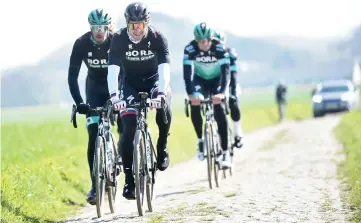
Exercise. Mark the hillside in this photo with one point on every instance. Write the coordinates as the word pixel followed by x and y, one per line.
pixel 352 45
pixel 263 61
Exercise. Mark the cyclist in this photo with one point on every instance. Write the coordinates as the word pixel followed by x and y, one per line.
pixel 281 91
pixel 211 75
pixel 92 49
pixel 233 99
pixel 142 52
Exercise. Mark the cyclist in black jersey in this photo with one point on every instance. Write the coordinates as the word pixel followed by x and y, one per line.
pixel 142 52
pixel 92 49
pixel 233 91
pixel 208 60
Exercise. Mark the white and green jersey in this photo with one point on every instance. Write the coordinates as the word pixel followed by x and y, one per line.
pixel 206 65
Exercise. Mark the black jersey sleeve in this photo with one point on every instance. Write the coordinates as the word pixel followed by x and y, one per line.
pixel 223 58
pixel 188 58
pixel 115 50
pixel 162 48
pixel 120 77
pixel 233 69
pixel 73 72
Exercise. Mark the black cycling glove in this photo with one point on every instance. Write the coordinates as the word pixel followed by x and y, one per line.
pixel 83 108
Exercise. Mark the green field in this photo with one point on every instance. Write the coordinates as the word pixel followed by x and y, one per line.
pixel 44 163
pixel 349 133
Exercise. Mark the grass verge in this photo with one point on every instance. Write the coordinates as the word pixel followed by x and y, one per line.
pixel 349 133
pixel 44 168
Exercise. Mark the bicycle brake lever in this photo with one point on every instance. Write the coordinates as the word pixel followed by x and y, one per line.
pixel 73 116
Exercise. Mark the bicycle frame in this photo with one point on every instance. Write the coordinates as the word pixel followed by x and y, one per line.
pixel 142 124
pixel 104 130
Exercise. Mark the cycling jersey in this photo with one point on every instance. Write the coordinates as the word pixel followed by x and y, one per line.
pixel 95 57
pixel 141 62
pixel 209 65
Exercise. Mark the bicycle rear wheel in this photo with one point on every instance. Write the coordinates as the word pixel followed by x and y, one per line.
pixel 231 149
pixel 152 168
pixel 138 168
pixel 99 172
pixel 208 147
pixel 112 190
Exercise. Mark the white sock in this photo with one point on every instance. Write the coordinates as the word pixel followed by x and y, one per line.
pixel 200 140
pixel 237 129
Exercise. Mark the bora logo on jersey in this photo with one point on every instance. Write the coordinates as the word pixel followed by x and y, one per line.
pixel 206 59
pixel 135 55
pixel 96 63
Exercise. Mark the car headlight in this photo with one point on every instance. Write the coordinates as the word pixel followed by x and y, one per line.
pixel 317 98
pixel 346 97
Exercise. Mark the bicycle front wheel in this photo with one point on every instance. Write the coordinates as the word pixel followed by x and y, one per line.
pixel 99 173
pixel 139 171
pixel 112 190
pixel 208 148
pixel 216 153
pixel 152 167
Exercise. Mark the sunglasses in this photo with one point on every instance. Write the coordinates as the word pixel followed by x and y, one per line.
pixel 97 28
pixel 137 25
pixel 203 41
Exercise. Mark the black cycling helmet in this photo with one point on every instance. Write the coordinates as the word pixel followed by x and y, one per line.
pixel 136 12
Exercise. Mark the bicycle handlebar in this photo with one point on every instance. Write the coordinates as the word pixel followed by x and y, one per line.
pixel 143 104
pixel 207 101
pixel 108 109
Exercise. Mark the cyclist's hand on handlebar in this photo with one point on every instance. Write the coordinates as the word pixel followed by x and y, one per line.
pixel 157 102
pixel 217 98
pixel 196 98
pixel 118 104
pixel 83 108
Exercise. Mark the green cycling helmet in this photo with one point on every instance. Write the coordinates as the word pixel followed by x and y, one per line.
pixel 202 31
pixel 220 36
pixel 99 17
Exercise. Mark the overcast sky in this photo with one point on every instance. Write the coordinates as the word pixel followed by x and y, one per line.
pixel 42 26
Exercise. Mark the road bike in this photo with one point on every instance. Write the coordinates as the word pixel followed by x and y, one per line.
pixel 105 170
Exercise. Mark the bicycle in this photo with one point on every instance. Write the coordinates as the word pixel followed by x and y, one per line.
pixel 212 146
pixel 105 170
pixel 145 168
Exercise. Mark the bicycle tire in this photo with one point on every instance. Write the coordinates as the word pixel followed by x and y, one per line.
pixel 209 145
pixel 112 190
pixel 216 151
pixel 230 149
pixel 230 137
pixel 138 166
pixel 99 168
pixel 149 189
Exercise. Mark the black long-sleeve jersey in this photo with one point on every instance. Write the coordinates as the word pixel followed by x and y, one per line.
pixel 139 61
pixel 95 57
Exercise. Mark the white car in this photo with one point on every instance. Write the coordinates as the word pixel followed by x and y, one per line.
pixel 334 96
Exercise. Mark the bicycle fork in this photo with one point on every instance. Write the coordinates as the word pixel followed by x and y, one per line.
pixel 151 167
pixel 109 160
